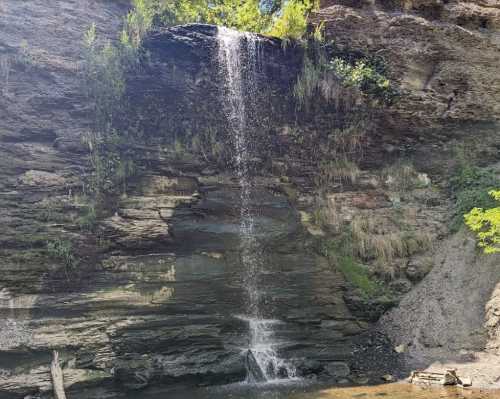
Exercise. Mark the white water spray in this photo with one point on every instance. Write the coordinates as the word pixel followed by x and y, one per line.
pixel 238 59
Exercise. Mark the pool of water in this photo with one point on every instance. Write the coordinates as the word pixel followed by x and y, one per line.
pixel 301 391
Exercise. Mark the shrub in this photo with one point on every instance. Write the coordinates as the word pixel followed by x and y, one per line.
pixel 329 72
pixel 470 187
pixel 486 224
pixel 363 76
pixel 62 251
pixel 370 243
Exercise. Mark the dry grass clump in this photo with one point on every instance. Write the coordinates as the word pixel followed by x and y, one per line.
pixel 325 214
pixel 372 242
pixel 316 78
pixel 338 171
pixel 401 176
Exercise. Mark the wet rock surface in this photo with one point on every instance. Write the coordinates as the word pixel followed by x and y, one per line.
pixel 157 296
pixel 162 318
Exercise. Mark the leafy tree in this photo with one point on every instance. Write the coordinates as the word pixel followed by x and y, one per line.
pixel 286 19
pixel 292 23
pixel 486 224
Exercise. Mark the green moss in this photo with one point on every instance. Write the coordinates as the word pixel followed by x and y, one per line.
pixel 359 277
pixel 339 253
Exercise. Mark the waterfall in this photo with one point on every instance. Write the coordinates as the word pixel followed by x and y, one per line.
pixel 238 58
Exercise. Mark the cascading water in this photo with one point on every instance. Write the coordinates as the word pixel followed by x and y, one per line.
pixel 238 59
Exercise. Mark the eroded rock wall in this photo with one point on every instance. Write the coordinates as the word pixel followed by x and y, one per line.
pixel 444 55
pixel 156 295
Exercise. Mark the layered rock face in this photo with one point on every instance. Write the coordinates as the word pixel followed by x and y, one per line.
pixel 156 297
pixel 444 54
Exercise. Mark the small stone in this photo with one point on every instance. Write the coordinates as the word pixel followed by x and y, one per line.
pixel 423 180
pixel 338 369
pixel 388 378
pixel 400 348
pixel 465 381
pixel 362 380
pixel 282 373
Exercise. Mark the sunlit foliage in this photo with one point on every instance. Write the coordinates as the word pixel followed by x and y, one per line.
pixel 486 224
pixel 285 19
pixel 470 186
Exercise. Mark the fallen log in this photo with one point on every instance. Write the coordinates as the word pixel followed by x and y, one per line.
pixel 57 377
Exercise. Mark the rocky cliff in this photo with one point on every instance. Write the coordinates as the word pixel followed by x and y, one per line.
pixel 155 296
pixel 444 55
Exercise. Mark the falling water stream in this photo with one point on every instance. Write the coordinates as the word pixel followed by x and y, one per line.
pixel 238 58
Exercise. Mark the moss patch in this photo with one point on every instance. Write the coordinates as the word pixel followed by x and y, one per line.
pixel 355 273
pixel 359 277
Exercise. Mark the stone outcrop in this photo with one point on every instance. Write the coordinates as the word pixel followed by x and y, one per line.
pixel 443 54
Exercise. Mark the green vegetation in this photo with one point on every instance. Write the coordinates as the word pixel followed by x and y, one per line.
pixel 292 23
pixel 328 71
pixel 105 69
pixel 88 220
pixel 486 224
pixel 25 56
pixel 340 254
pixel 340 170
pixel 52 210
pixel 285 19
pixel 5 67
pixel 364 76
pixel 61 250
pixel 470 187
pixel 357 275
